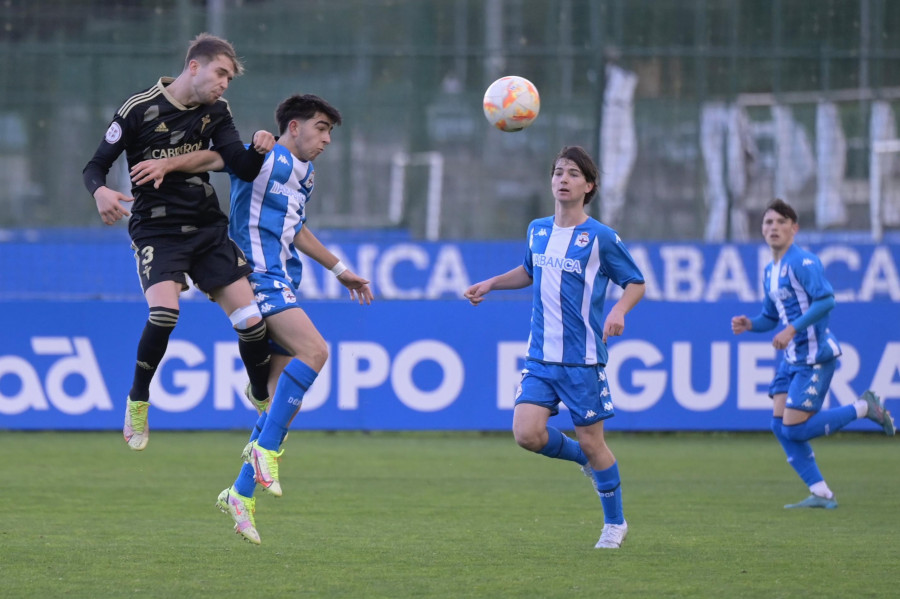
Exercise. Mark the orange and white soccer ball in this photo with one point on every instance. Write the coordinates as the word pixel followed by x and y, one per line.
pixel 511 103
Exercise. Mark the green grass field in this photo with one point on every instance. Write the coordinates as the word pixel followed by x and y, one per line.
pixel 443 515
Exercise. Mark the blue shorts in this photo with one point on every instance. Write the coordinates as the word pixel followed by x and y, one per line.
pixel 806 385
pixel 273 295
pixel 583 389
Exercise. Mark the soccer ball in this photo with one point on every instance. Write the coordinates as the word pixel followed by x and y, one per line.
pixel 511 103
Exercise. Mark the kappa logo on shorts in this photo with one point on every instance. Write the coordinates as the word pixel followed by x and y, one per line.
pixel 601 376
pixel 590 414
pixel 605 392
pixel 607 405
pixel 260 298
pixel 267 307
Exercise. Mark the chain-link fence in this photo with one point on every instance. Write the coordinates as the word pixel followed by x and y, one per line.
pixel 699 111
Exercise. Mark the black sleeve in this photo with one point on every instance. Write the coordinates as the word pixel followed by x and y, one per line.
pixel 243 162
pixel 94 173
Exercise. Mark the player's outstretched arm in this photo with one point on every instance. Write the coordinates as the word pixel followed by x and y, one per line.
pixel 200 161
pixel 309 244
pixel 516 278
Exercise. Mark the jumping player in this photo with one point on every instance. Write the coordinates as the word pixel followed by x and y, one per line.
pixel 176 226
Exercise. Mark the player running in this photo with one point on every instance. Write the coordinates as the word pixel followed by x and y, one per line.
pixel 569 260
pixel 798 296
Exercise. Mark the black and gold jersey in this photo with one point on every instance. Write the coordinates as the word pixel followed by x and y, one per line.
pixel 153 124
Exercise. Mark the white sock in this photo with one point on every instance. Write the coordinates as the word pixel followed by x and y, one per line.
pixel 821 489
pixel 862 408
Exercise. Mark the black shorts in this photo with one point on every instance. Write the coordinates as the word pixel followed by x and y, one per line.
pixel 207 254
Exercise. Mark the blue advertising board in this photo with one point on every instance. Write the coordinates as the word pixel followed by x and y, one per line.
pixel 420 357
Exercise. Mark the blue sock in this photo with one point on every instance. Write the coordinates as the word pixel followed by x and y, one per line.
pixel 245 483
pixel 799 455
pixel 609 487
pixel 562 447
pixel 820 424
pixel 292 384
pixel 260 422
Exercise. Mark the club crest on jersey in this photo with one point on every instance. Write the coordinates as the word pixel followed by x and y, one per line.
pixel 114 133
pixel 308 184
pixel 783 270
pixel 583 239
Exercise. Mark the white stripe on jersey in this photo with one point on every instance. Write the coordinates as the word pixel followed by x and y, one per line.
pixel 551 289
pixel 292 217
pixel 590 277
pixel 811 339
pixel 260 184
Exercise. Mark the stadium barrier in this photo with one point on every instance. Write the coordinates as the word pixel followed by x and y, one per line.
pixel 421 357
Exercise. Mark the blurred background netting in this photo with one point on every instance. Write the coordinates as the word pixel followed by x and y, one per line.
pixel 700 110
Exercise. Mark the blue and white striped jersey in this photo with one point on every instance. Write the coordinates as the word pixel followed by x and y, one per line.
pixel 571 267
pixel 790 286
pixel 268 212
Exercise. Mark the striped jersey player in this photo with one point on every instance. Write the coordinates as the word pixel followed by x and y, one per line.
pixel 569 260
pixel 800 298
pixel 797 292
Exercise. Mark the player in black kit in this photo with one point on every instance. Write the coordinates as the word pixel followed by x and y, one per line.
pixel 176 224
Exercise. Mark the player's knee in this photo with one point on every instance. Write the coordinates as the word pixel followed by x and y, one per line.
pixel 775 427
pixel 245 317
pixel 530 439
pixel 795 432
pixel 318 355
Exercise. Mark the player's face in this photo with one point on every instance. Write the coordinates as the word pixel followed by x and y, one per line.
pixel 568 182
pixel 212 79
pixel 778 230
pixel 311 136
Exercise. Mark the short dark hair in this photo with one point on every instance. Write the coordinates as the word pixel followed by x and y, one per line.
pixel 207 47
pixel 303 107
pixel 584 162
pixel 782 208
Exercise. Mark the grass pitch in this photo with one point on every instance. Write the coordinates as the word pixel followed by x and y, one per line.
pixel 442 515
